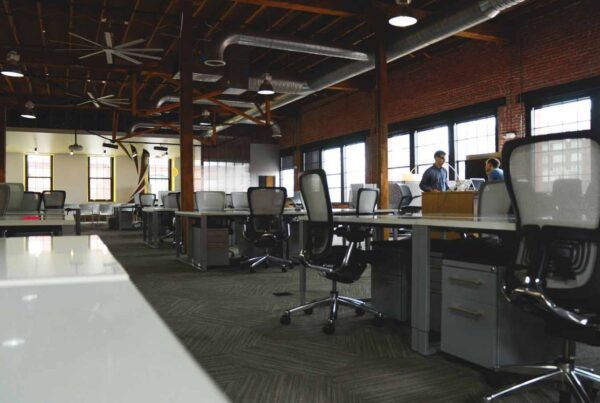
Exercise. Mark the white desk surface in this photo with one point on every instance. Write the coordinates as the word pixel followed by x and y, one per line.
pixel 39 260
pixel 232 213
pixel 44 220
pixel 438 222
pixel 158 209
pixel 92 341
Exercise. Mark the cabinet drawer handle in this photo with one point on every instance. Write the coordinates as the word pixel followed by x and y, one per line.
pixel 459 310
pixel 465 282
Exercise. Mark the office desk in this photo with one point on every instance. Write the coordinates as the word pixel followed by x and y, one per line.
pixel 55 224
pixel 200 259
pixel 75 329
pixel 421 228
pixel 152 219
pixel 124 214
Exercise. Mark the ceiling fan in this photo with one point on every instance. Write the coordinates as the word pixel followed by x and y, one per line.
pixel 106 100
pixel 125 51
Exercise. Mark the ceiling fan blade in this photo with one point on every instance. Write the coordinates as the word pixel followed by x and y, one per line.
pixel 73 50
pixel 90 54
pixel 141 50
pixel 96 104
pixel 83 103
pixel 91 96
pixel 109 39
pixel 106 97
pixel 109 56
pixel 130 43
pixel 129 59
pixel 73 95
pixel 135 54
pixel 85 39
pixel 67 43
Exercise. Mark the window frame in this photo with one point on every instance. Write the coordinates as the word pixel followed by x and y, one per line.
pixel 112 178
pixel 449 119
pixel 27 176
pixel 170 171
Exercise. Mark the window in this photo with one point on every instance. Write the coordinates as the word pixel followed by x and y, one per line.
pixel 286 174
pixel 312 160
pixel 197 169
pixel 100 175
pixel 226 176
pixel 38 171
pixel 354 166
pixel 159 175
pixel 398 156
pixel 427 142
pixel 473 137
pixel 567 116
pixel 331 160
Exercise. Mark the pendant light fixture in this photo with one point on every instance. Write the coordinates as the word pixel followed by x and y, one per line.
pixel 205 118
pixel 75 147
pixel 11 67
pixel 404 16
pixel 28 112
pixel 266 88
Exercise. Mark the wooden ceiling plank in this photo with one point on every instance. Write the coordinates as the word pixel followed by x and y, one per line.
pixel 320 7
pixel 221 19
pixel 40 13
pixel 253 16
pixel 13 28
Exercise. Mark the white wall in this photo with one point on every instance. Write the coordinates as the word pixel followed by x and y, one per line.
pixel 15 167
pixel 71 175
pixel 264 160
pixel 126 179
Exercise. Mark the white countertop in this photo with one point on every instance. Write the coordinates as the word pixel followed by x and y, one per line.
pixel 49 260
pixel 93 343
pixel 44 220
pixel 69 336
pixel 158 209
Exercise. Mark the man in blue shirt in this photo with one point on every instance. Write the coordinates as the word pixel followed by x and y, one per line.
pixel 493 171
pixel 435 178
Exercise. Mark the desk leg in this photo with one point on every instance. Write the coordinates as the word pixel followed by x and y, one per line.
pixel 144 227
pixel 177 237
pixel 203 243
pixel 421 284
pixel 302 276
pixel 156 222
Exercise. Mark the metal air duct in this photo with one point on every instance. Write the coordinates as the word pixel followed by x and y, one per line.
pixel 221 43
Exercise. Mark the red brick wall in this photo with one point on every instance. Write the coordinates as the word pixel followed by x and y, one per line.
pixel 552 49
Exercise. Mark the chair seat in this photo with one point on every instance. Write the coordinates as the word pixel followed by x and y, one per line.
pixel 352 233
pixel 571 331
pixel 266 241
pixel 343 274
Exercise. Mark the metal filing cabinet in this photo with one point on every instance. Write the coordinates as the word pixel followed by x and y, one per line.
pixel 480 326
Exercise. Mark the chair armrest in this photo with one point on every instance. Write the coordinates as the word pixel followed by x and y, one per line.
pixel 306 263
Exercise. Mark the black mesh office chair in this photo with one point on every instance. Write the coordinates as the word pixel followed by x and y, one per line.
pixel 344 264
pixel 147 200
pixel 557 271
pixel 54 199
pixel 406 198
pixel 4 198
pixel 32 202
pixel 170 200
pixel 265 227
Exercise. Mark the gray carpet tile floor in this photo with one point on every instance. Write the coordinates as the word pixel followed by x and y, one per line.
pixel 228 319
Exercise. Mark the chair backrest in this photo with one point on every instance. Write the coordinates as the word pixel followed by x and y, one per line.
pixel 239 200
pixel 494 201
pixel 553 183
pixel 54 199
pixel 315 194
pixel 86 208
pixel 106 208
pixel 228 201
pixel 32 201
pixel 4 197
pixel 147 199
pixel 266 200
pixel 16 196
pixel 353 196
pixel 406 196
pixel 394 194
pixel 171 200
pixel 367 199
pixel 161 197
pixel 136 199
pixel 210 201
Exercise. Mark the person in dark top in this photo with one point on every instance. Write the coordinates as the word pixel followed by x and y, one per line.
pixel 493 171
pixel 435 178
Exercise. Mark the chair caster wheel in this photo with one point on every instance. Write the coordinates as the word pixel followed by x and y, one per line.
pixel 285 319
pixel 329 329
pixel 308 311
pixel 378 320
pixel 359 312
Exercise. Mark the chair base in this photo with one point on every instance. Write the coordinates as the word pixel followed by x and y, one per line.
pixel 266 259
pixel 563 370
pixel 334 301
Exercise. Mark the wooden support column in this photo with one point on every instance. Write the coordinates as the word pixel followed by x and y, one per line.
pixel 2 143
pixel 186 108
pixel 377 144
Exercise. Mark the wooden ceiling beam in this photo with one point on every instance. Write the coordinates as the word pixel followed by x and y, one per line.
pixel 43 40
pixel 323 7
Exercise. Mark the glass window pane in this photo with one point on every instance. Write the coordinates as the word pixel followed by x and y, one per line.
pixel 287 181
pixel 473 137
pixel 159 175
pixel 225 176
pixel 331 162
pixel 427 142
pixel 571 115
pixel 398 156
pixel 39 173
pixel 354 167
pixel 100 177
